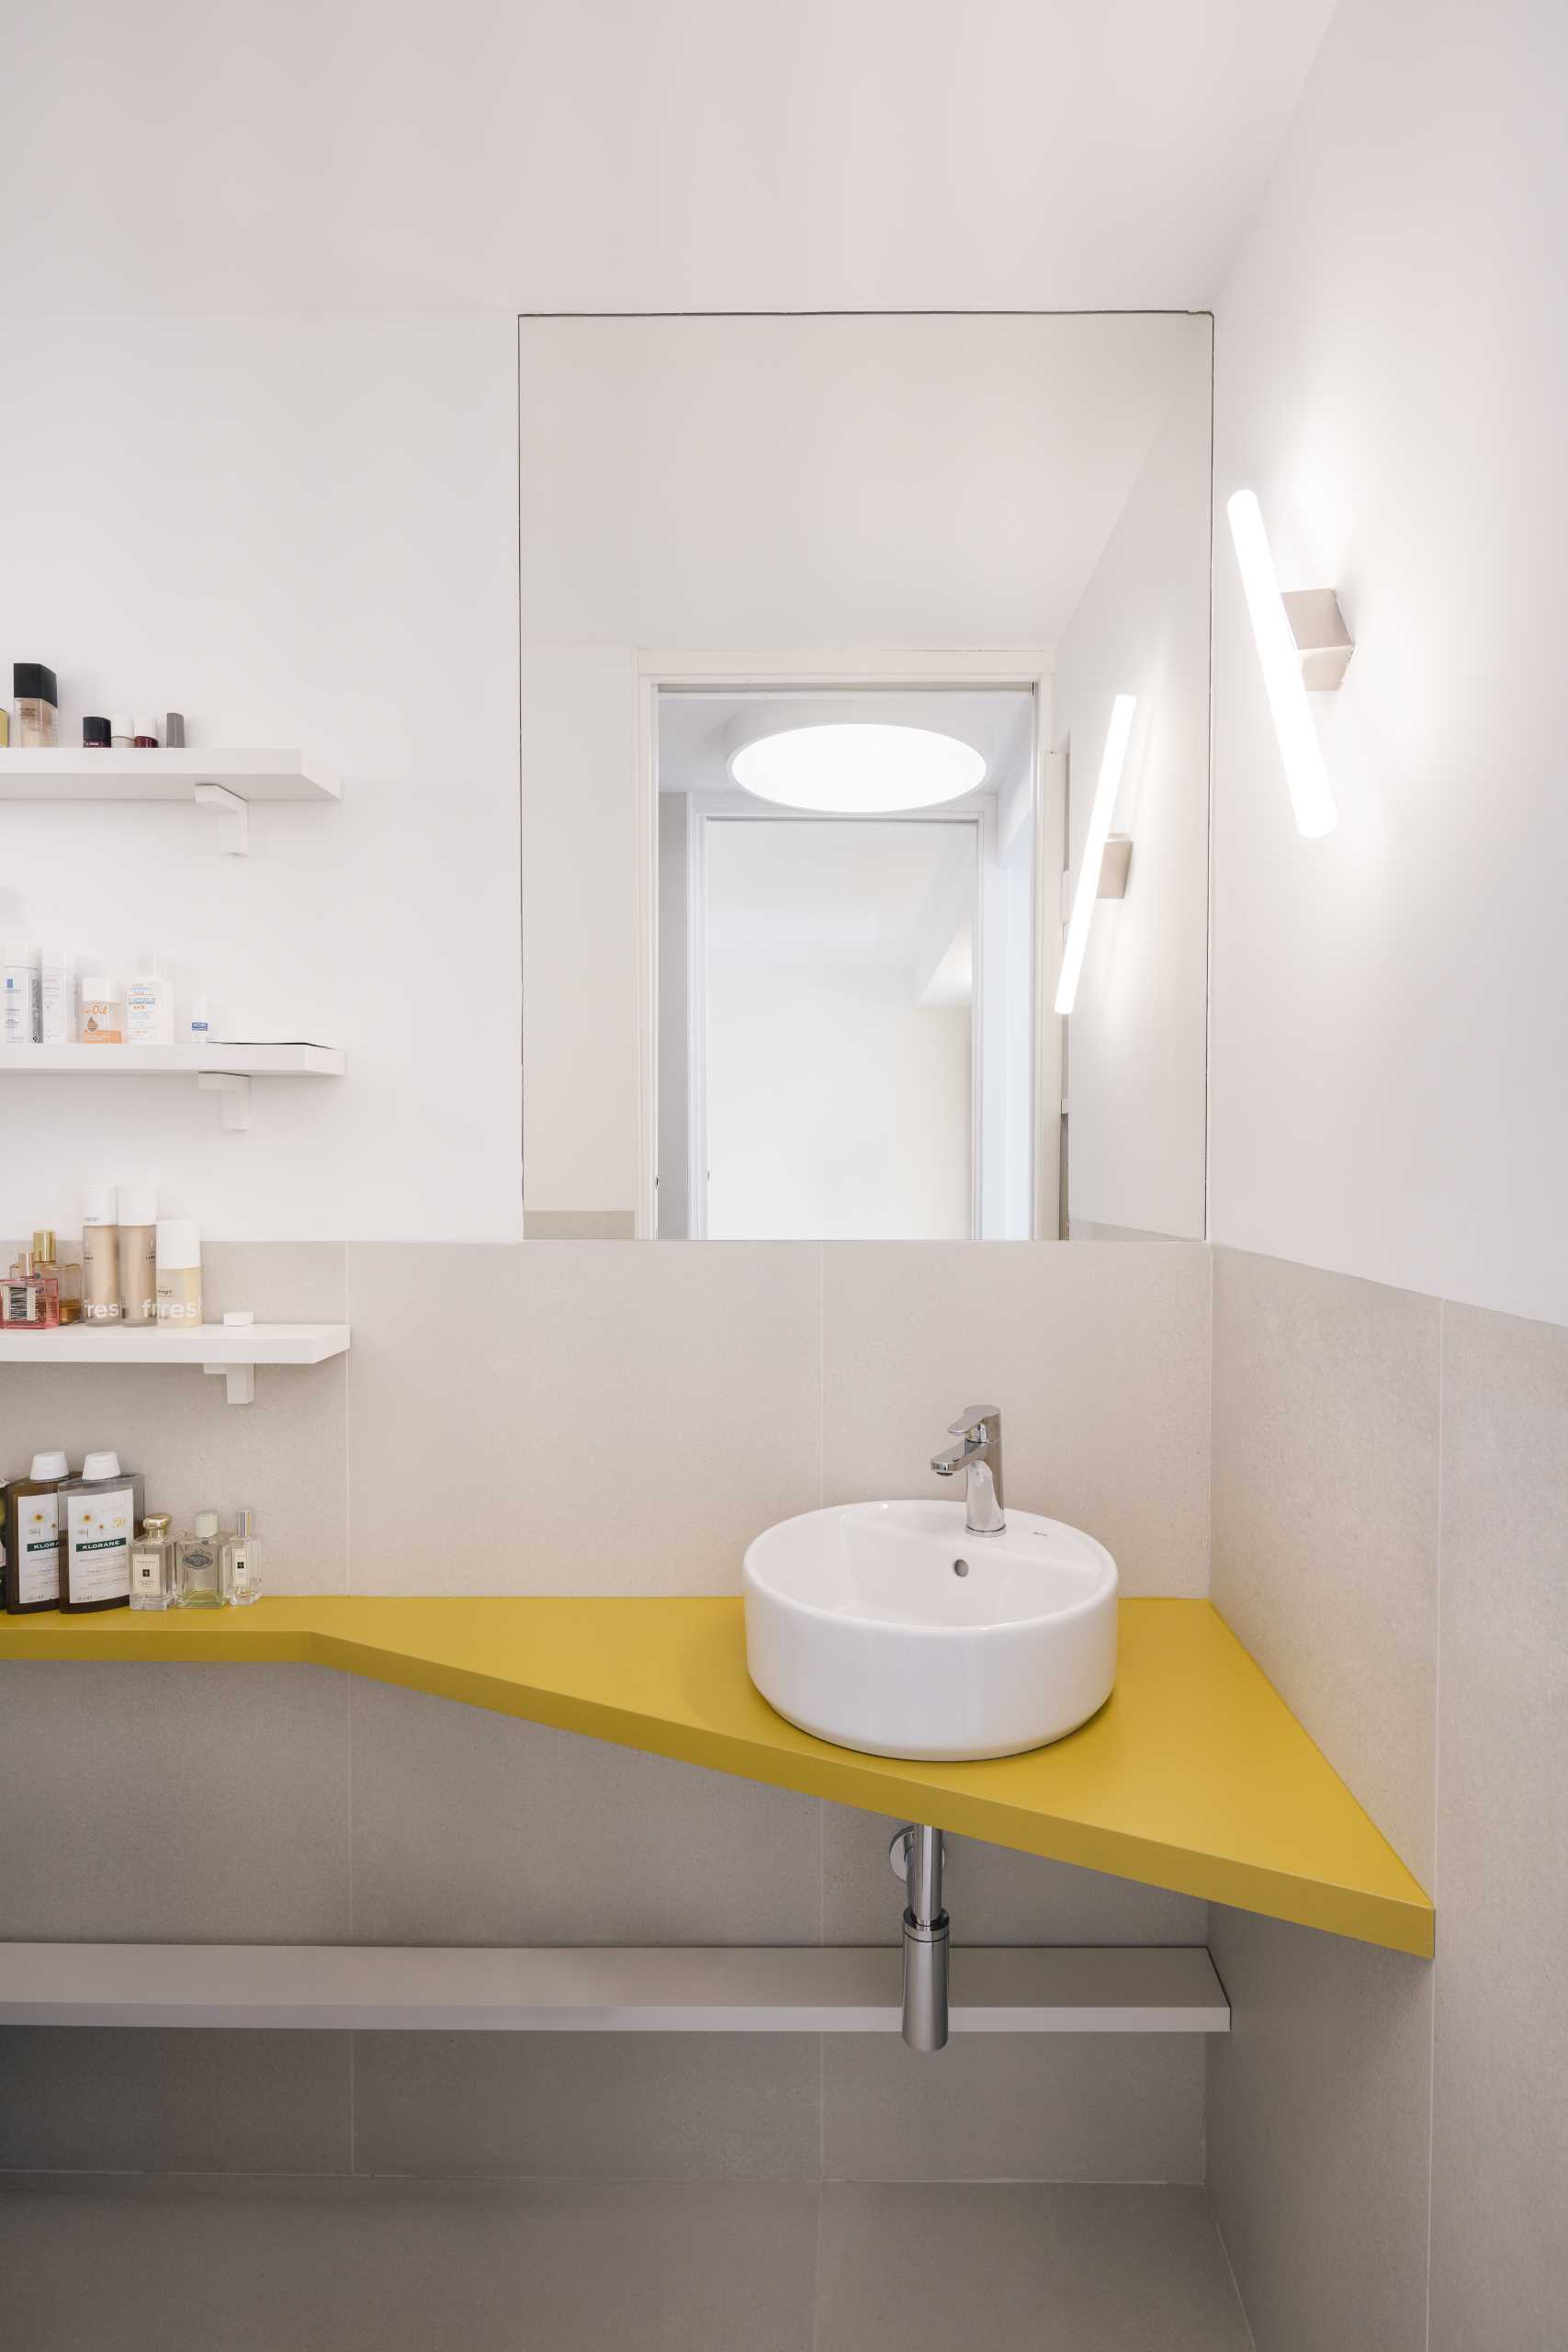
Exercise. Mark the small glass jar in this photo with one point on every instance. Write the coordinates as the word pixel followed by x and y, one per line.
pixel 197 1566
pixel 239 1562
pixel 36 693
pixel 153 1564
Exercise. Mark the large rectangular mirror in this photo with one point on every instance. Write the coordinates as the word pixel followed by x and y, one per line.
pixel 864 737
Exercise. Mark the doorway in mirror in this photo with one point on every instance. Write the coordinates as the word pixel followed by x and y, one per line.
pixel 847 965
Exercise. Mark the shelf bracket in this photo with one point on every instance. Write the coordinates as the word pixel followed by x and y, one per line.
pixel 240 1380
pixel 234 817
pixel 235 1091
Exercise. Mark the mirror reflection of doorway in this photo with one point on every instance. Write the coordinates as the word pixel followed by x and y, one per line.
pixel 846 999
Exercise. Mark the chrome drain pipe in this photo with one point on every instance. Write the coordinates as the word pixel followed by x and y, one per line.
pixel 916 1855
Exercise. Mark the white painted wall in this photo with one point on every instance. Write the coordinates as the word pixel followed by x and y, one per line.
pixel 1391 1003
pixel 300 531
pixel 838 1109
pixel 1136 1037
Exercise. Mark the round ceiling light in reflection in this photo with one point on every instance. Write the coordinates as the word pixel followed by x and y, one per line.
pixel 859 768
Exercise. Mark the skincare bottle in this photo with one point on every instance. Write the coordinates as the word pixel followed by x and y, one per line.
pixel 178 1284
pixel 195 1564
pixel 37 698
pixel 174 731
pixel 145 738
pixel 29 1297
pixel 198 1027
pixel 32 1549
pixel 239 1563
pixel 65 1274
pixel 153 1564
pixel 150 1006
pixel 119 731
pixel 100 1257
pixel 101 1512
pixel 96 735
pixel 137 1253
pixel 103 1010
pixel 19 1022
pixel 57 1000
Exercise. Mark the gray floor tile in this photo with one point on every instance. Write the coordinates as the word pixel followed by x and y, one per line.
pixel 611 2106
pixel 1015 2107
pixel 924 2268
pixel 174 1804
pixel 433 2266
pixel 470 1827
pixel 154 2100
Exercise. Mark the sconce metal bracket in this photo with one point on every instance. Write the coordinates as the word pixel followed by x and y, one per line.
pixel 1322 638
pixel 1115 864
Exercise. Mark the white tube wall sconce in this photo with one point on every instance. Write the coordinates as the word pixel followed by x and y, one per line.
pixel 1099 815
pixel 1302 642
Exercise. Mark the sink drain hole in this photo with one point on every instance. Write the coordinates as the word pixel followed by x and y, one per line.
pixel 961 1568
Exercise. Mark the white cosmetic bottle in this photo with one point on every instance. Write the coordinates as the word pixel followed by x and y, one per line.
pixel 150 1006
pixel 57 1000
pixel 19 998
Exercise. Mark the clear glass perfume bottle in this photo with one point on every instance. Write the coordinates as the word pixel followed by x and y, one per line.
pixel 153 1564
pixel 29 1296
pixel 195 1564
pixel 66 1272
pixel 239 1562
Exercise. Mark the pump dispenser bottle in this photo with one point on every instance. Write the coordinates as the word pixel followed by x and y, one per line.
pixel 101 1512
pixel 100 1257
pixel 137 1253
pixel 32 1536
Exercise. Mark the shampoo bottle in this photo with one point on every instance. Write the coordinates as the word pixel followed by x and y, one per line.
pixel 100 1257
pixel 137 1253
pixel 99 1515
pixel 32 1536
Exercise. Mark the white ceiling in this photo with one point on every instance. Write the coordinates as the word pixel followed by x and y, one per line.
pixel 698 733
pixel 522 154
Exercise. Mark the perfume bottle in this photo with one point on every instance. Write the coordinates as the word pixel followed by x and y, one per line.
pixel 29 1298
pixel 153 1564
pixel 239 1562
pixel 195 1564
pixel 66 1273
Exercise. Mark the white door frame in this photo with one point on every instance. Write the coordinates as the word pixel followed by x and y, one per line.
pixel 835 671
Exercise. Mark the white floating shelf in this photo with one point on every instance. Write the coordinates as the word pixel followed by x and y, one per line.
pixel 232 1348
pixel 71 774
pixel 163 1061
pixel 227 782
pixel 218 1068
pixel 382 1988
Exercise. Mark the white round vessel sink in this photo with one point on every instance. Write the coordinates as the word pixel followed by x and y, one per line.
pixel 886 1627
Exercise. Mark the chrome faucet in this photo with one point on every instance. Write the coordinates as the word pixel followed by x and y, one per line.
pixel 978 1453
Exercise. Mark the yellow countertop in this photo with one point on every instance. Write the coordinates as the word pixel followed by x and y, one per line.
pixel 1193 1776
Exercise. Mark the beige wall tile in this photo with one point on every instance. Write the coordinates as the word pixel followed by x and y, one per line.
pixel 1500 2114
pixel 174 1804
pixel 153 2101
pixel 1015 2107
pixel 579 1417
pixel 1325 1521
pixel 1318 2126
pixel 471 1828
pixel 598 2105
pixel 1098 1357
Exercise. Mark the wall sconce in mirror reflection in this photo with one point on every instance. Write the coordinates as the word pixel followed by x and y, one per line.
pixel 1303 644
pixel 1106 857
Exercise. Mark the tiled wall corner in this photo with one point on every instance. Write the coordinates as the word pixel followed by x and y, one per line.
pixel 1326 1434
pixel 1500 2089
